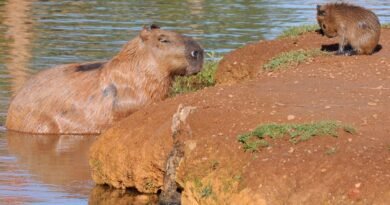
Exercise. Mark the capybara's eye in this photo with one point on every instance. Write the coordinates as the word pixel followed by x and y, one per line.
pixel 163 39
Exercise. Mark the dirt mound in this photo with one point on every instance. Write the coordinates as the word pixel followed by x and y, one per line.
pixel 349 169
pixel 247 62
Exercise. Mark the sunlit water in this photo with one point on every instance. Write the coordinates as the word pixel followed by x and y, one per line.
pixel 35 35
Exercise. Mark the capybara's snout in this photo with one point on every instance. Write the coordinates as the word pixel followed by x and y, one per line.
pixel 194 55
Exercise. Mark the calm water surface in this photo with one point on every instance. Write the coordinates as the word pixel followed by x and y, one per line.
pixel 35 35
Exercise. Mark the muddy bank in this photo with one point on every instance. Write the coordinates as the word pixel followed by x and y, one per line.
pixel 216 170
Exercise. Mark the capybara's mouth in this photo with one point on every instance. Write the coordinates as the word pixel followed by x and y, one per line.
pixel 320 31
pixel 329 35
pixel 193 70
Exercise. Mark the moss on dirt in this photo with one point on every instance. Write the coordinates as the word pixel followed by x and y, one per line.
pixel 291 58
pixel 204 191
pixel 205 78
pixel 297 133
pixel 297 31
pixel 149 185
pixel 95 165
pixel 331 151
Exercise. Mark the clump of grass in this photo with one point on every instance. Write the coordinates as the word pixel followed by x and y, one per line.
pixel 149 185
pixel 296 132
pixel 96 165
pixel 349 129
pixel 297 31
pixel 205 78
pixel 291 58
pixel 214 164
pixel 204 190
pixel 331 151
pixel 251 143
pixel 198 183
pixel 229 183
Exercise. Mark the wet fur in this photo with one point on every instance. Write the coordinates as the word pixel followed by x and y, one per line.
pixel 354 25
pixel 89 97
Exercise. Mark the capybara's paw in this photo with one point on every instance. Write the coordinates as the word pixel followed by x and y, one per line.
pixel 346 53
pixel 340 53
pixel 350 53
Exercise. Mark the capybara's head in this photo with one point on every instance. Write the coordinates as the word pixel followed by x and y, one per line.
pixel 180 55
pixel 326 22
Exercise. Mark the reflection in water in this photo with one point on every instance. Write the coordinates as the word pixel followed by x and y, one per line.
pixel 18 19
pixel 104 195
pixel 54 169
pixel 46 166
pixel 53 159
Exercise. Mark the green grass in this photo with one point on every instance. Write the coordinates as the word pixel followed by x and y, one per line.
pixel 96 165
pixel 214 164
pixel 297 31
pixel 331 151
pixel 386 25
pixel 291 58
pixel 260 137
pixel 205 78
pixel 149 185
pixel 205 191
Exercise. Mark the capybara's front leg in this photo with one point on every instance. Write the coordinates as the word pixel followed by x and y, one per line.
pixel 342 44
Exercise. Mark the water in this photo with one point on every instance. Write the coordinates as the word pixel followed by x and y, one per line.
pixel 35 35
pixel 44 169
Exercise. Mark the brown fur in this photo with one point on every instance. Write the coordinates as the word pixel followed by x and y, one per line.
pixel 354 25
pixel 89 97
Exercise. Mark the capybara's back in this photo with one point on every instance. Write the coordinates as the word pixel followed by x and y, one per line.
pixel 89 97
pixel 354 25
pixel 60 100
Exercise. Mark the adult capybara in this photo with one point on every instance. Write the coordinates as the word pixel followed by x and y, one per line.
pixel 89 97
pixel 354 25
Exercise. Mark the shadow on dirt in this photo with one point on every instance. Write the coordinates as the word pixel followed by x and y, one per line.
pixel 334 47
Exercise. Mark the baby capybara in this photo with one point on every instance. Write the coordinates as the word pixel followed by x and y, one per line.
pixel 89 97
pixel 354 25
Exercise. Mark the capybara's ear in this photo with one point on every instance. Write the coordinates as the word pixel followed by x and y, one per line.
pixel 145 33
pixel 154 26
pixel 320 11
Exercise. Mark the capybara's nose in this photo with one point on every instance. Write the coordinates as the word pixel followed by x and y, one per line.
pixel 196 54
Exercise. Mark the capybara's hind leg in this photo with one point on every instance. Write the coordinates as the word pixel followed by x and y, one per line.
pixel 364 50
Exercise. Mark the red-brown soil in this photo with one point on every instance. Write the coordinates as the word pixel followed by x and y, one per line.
pixel 216 170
